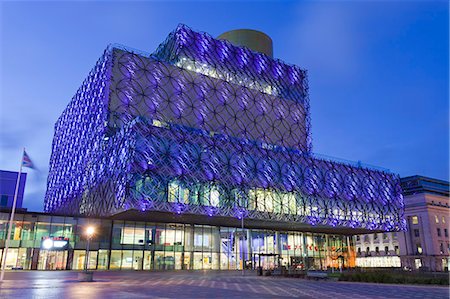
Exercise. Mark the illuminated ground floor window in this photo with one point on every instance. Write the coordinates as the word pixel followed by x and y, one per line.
pixel 378 262
pixel 130 245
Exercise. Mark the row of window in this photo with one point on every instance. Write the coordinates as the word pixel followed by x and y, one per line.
pixel 419 249
pixel 439 234
pixel 377 251
pixel 415 219
pixel 376 237
pixel 256 199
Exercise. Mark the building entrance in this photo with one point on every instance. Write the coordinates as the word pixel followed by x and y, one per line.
pixel 52 260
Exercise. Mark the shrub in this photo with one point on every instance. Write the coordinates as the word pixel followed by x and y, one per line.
pixel 395 277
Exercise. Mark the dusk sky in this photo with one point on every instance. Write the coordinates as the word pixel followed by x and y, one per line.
pixel 378 71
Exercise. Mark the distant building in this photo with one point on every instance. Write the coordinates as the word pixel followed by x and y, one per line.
pixel 8 180
pixel 426 244
pixel 379 250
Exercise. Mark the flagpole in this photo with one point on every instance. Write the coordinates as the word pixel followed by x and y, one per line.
pixel 11 219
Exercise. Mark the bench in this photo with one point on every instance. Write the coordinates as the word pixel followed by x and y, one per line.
pixel 316 275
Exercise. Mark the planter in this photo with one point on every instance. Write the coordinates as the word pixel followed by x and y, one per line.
pixel 86 276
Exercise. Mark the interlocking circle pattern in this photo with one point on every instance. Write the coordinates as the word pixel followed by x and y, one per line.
pixel 205 127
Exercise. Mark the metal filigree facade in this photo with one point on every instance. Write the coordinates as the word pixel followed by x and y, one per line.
pixel 205 127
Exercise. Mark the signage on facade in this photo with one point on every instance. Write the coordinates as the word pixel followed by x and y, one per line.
pixel 54 243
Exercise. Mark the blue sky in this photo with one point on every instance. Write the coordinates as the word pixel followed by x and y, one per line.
pixel 378 70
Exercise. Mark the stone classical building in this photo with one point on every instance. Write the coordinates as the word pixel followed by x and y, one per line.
pixel 426 244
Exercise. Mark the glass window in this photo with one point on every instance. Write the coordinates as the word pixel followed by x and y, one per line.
pixel 102 259
pixel 198 238
pixel 416 233
pixel 127 259
pixel 215 239
pixel 386 250
pixel 117 233
pixel 397 250
pixel 438 232
pixel 127 235
pixel 445 232
pixel 79 258
pixel 252 199
pixel 436 218
pixel 147 260
pixel 169 260
pixel 269 201
pixel 160 262
pixel 198 260
pixel 169 237
pixel 260 204
pixel 42 230
pixel 377 250
pixel 277 202
pixel 419 248
pixel 3 228
pixel 160 237
pixel 443 219
pixel 415 220
pixel 173 192
pixel 290 198
pixel 139 234
pixel 138 259
pixel 57 227
pixel 16 230
pixel 11 258
pixel 23 259
pixel 116 259
pixel 375 236
pixel 214 197
pixel 188 239
pixel 215 261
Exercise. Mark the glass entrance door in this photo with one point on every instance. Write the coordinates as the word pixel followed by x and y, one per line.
pixel 52 260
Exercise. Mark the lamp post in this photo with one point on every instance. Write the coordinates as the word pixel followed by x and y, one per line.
pixel 87 276
pixel 243 240
pixel 89 233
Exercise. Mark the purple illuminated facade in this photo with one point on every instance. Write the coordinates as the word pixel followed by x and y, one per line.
pixel 203 127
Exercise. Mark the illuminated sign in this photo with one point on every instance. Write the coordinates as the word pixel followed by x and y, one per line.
pixel 54 243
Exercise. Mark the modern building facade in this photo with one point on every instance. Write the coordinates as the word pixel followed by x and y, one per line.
pixel 137 245
pixel 8 181
pixel 206 132
pixel 425 244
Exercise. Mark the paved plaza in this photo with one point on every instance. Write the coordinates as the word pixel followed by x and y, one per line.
pixel 40 284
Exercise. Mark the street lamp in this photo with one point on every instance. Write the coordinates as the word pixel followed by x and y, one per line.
pixel 243 240
pixel 90 230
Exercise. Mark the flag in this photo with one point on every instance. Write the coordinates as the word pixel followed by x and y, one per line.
pixel 26 161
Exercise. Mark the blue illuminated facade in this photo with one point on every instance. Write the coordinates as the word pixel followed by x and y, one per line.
pixel 203 127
